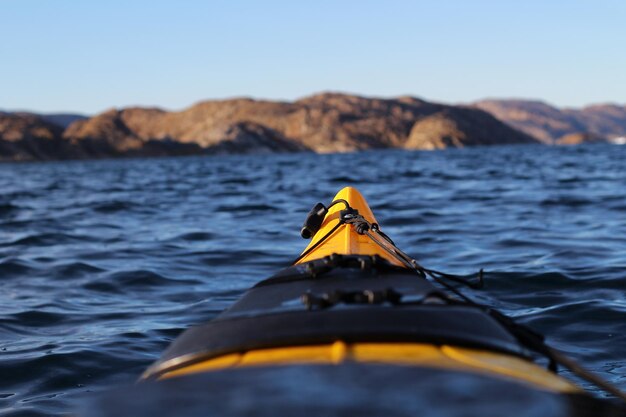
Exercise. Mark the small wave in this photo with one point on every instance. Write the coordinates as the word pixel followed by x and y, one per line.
pixel 446 176
pixel 239 181
pixel 119 282
pixel 411 174
pixel 75 269
pixel 569 201
pixel 45 380
pixel 247 207
pixel 225 194
pixel 494 173
pixel 54 185
pixel 344 180
pixel 572 180
pixel 169 332
pixel 8 208
pixel 48 239
pixel 113 206
pixel 521 284
pixel 593 315
pixel 15 267
pixel 34 318
pixel 609 278
pixel 133 335
pixel 20 194
pixel 196 236
pixel 515 243
pixel 468 196
pixel 617 207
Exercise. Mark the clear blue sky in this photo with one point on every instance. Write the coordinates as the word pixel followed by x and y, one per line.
pixel 87 56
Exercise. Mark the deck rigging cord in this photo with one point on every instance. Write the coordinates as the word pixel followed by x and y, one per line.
pixel 528 337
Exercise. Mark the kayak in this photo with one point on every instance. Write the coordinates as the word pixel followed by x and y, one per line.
pixel 270 325
pixel 356 326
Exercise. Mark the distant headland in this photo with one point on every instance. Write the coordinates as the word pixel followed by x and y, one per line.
pixel 327 122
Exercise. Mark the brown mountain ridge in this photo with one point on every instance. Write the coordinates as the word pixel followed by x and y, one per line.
pixel 553 125
pixel 328 122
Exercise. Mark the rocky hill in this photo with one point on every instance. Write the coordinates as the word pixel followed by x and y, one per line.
pixel 327 122
pixel 548 123
pixel 607 120
pixel 27 137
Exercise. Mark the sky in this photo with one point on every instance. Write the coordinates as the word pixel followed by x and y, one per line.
pixel 88 56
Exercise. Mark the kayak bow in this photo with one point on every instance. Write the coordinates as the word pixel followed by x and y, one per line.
pixel 345 240
pixel 352 302
pixel 292 318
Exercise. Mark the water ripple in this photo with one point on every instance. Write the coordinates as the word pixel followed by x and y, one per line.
pixel 103 263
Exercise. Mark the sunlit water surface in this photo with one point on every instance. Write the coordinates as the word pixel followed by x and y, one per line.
pixel 103 263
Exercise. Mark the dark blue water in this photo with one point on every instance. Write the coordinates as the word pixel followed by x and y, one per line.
pixel 103 263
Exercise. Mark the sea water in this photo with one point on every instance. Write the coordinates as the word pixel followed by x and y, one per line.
pixel 104 263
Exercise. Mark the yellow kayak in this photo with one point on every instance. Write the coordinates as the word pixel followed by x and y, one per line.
pixel 356 327
pixel 260 331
